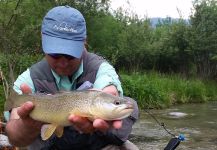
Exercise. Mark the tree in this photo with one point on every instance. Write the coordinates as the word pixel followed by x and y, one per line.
pixel 171 47
pixel 203 38
pixel 19 29
pixel 133 41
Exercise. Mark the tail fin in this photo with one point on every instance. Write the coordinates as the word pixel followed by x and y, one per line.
pixel 10 102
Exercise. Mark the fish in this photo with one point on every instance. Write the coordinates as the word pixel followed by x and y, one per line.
pixel 55 109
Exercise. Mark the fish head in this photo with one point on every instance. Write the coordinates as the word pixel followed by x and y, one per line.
pixel 109 107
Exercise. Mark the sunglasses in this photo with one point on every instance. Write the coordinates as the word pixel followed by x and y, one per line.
pixel 57 56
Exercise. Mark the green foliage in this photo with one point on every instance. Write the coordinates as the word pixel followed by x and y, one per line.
pixel 105 40
pixel 203 37
pixel 128 42
pixel 211 89
pixel 22 63
pixel 153 90
pixel 20 26
pixel 134 44
pixel 146 91
pixel 2 99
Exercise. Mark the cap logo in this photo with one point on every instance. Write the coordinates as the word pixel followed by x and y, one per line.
pixel 65 27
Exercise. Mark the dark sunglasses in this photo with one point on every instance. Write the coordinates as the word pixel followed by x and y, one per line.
pixel 56 56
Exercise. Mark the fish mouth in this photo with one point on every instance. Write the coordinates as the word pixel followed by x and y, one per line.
pixel 128 109
pixel 129 106
pixel 125 113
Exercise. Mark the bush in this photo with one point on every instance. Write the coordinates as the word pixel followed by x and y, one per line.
pixel 146 91
pixel 20 63
pixel 2 99
pixel 154 90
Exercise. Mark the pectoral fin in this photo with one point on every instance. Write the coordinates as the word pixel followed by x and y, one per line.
pixel 47 130
pixel 59 131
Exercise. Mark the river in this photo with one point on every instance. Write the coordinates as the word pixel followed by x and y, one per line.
pixel 198 122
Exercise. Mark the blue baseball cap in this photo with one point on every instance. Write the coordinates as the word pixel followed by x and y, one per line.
pixel 63 31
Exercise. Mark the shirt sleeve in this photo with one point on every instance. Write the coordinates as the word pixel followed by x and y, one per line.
pixel 106 76
pixel 24 78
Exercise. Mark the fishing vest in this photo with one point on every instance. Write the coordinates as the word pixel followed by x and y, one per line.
pixel 44 82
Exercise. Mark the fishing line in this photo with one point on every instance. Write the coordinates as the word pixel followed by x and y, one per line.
pixel 160 123
pixel 175 140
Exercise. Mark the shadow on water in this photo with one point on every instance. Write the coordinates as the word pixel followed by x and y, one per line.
pixel 199 126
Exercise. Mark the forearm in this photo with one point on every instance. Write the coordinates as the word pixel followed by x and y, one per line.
pixel 107 76
pixel 19 134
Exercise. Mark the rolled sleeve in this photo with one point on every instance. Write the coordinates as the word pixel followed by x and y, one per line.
pixel 106 76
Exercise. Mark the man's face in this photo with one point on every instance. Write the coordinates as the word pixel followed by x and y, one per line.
pixel 63 64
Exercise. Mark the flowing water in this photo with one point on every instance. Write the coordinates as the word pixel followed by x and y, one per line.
pixel 198 122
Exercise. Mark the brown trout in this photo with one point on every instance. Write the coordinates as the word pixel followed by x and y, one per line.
pixel 55 109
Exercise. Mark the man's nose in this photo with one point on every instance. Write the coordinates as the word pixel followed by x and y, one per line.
pixel 63 62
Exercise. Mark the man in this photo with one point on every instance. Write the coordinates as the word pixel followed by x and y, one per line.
pixel 66 67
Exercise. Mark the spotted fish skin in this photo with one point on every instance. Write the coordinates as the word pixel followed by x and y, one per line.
pixel 56 108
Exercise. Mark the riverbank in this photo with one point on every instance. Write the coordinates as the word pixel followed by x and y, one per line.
pixel 154 90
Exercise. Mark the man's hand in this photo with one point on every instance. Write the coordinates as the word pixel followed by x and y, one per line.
pixel 83 125
pixel 21 129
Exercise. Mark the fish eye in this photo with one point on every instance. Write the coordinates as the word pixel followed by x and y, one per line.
pixel 117 102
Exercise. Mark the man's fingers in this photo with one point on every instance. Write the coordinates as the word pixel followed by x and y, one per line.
pixel 81 124
pixel 101 125
pixel 25 88
pixel 117 124
pixel 94 89
pixel 77 120
pixel 25 109
pixel 111 89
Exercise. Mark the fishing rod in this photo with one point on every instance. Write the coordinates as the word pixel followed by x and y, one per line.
pixel 175 140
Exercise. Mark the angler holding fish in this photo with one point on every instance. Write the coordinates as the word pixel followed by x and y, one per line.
pixel 50 118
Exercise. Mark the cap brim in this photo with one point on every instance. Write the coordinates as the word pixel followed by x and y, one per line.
pixel 56 45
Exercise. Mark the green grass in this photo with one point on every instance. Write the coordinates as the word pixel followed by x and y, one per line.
pixel 153 90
